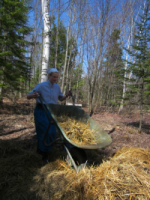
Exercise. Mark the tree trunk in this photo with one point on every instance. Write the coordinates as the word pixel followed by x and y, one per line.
pixel 66 54
pixel 56 47
pixel 130 38
pixel 46 40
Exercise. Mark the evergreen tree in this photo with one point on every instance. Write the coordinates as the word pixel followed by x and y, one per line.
pixel 113 65
pixel 13 43
pixel 139 68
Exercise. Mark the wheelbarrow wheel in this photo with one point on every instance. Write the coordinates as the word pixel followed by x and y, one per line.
pixel 79 156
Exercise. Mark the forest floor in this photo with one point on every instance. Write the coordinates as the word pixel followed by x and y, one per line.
pixel 23 175
pixel 17 124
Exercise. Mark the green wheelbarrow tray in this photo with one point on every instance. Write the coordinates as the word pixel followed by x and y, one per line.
pixel 101 137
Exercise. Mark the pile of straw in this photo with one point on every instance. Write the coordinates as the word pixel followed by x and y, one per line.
pixel 77 131
pixel 125 176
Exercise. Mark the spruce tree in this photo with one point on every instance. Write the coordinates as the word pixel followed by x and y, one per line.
pixel 113 65
pixel 139 67
pixel 13 44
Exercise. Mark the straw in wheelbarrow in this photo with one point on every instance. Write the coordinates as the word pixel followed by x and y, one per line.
pixel 77 131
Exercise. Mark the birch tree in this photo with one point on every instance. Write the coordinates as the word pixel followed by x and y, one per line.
pixel 46 39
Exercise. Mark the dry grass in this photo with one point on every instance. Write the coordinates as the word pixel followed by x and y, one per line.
pixel 125 176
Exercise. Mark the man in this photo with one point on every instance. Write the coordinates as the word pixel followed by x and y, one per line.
pixel 49 92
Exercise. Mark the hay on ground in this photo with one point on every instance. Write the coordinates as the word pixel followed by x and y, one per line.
pixel 125 176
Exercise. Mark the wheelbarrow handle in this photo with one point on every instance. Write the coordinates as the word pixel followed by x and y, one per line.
pixel 70 92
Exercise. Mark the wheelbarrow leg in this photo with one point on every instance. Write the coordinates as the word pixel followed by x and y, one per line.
pixel 76 158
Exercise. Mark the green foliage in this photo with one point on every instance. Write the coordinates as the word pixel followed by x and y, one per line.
pixel 72 52
pixel 77 83
pixel 35 80
pixel 61 50
pixel 139 67
pixel 13 43
pixel 77 80
pixel 113 73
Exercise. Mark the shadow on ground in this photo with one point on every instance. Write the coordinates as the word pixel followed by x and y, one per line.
pixel 145 127
pixel 18 108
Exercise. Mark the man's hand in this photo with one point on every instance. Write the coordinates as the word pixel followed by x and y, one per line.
pixel 69 93
pixel 34 95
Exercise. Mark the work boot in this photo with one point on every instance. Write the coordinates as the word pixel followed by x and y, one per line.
pixel 45 158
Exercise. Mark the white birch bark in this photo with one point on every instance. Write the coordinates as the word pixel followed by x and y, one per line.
pixel 125 74
pixel 46 39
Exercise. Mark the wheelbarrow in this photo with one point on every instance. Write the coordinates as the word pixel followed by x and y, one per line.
pixel 76 156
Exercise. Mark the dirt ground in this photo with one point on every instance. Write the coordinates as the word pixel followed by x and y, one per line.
pixel 17 124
